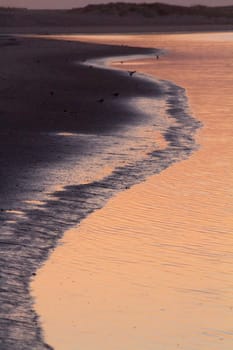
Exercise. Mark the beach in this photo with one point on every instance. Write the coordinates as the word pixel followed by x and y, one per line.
pixel 45 94
pixel 142 262
pixel 54 131
pixel 153 267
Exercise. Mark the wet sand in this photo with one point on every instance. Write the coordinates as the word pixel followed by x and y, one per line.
pixel 44 94
pixel 153 268
pixel 51 122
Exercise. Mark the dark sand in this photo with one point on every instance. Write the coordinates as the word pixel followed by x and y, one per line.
pixel 43 92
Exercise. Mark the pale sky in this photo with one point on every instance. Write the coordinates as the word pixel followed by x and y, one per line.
pixel 78 3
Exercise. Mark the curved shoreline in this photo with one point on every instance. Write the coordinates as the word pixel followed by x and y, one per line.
pixel 47 228
pixel 157 253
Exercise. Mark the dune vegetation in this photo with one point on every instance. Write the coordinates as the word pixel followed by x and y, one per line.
pixel 117 14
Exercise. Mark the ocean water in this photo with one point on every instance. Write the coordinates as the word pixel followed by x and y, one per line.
pixel 124 279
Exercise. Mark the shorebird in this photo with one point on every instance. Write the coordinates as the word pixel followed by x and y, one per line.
pixel 157 57
pixel 131 73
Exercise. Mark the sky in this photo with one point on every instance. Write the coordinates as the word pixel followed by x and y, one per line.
pixel 79 3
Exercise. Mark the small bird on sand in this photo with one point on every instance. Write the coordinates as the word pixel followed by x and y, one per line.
pixel 131 73
pixel 157 57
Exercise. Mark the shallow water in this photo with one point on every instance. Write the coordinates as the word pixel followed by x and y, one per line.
pixel 81 173
pixel 153 269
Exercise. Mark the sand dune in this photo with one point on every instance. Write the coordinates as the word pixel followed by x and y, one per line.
pixel 119 15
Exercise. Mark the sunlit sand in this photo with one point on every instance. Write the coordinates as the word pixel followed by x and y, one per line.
pixel 153 269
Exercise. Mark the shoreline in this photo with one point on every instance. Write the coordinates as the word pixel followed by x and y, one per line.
pixel 64 199
pixel 43 92
pixel 184 199
pixel 63 208
pixel 30 152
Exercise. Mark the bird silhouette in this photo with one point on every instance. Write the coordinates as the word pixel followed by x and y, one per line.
pixel 131 73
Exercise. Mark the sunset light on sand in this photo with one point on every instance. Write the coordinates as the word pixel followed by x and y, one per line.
pixel 116 176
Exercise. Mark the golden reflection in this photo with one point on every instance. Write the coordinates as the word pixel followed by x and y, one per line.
pixel 154 268
pixel 15 212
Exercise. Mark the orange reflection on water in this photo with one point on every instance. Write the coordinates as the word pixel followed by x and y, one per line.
pixel 154 268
